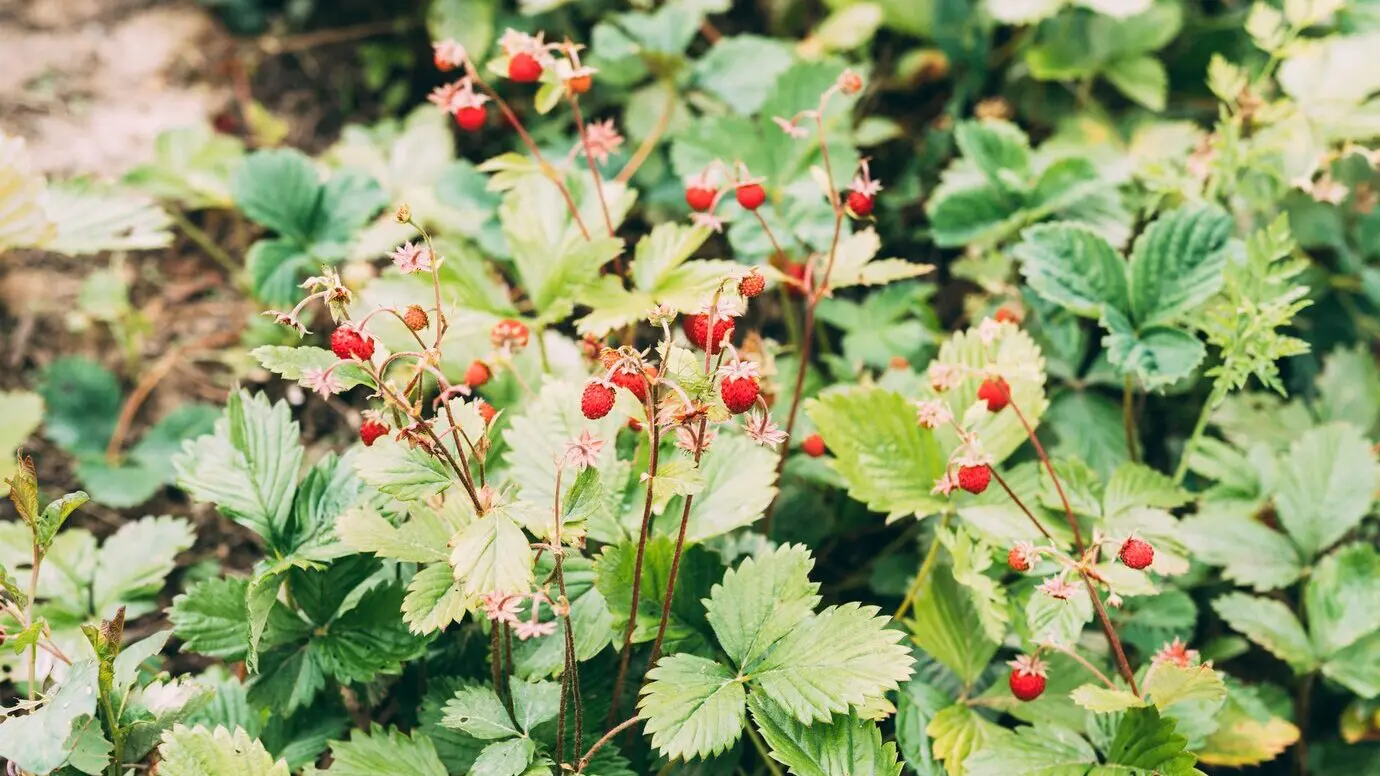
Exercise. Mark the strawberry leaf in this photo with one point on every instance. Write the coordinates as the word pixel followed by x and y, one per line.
pixel 201 752
pixel 693 707
pixel 844 746
pixel 1270 624
pixel 385 751
pixel 761 601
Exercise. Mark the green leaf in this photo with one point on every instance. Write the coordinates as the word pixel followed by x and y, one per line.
pixel 1176 263
pixel 43 740
pixel 1250 553
pixel 248 468
pixel 201 752
pixel 846 746
pixel 975 213
pixel 761 601
pixel 1135 485
pixel 1145 740
pixel 348 200
pixel 699 573
pixel 1355 666
pixel 958 731
pixel 385 751
pixel 91 218
pixel 479 712
pixel 739 483
pixel 1347 388
pixel 917 704
pixel 855 263
pixel 1013 355
pixel 137 559
pixel 1038 750
pixel 742 69
pixel 24 411
pixel 1142 79
pixel 422 538
pixel 435 600
pixel 369 639
pixel 1060 620
pixel 469 22
pixel 156 707
pixel 1104 700
pixel 279 189
pixel 971 558
pixel 1270 624
pixel 693 707
pixel 1328 486
pixel 831 662
pixel 534 702
pixel 275 268
pixel 947 626
pixel 191 166
pixel 1244 736
pixel 536 439
pixel 492 555
pixel 505 758
pixel 401 471
pixel 83 402
pixel 1168 683
pixel 1338 598
pixel 1073 266
pixel 999 150
pixel 1157 355
pixel 210 618
pixel 292 363
pixel 889 462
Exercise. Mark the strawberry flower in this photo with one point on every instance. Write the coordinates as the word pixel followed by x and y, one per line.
pixel 501 607
pixel 708 221
pixel 763 431
pixel 602 139
pixel 1030 665
pixel 448 54
pixel 1176 652
pixel 513 43
pixel 412 258
pixel 1057 587
pixel 945 376
pixel 864 184
pixel 944 485
pixel 583 453
pixel 322 381
pixel 933 413
pixel 988 330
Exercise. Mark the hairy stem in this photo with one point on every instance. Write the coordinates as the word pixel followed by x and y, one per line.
pixel 675 558
pixel 594 171
pixel 1082 661
pixel 1123 665
pixel 1016 499
pixel 655 436
pixel 607 737
pixel 1049 467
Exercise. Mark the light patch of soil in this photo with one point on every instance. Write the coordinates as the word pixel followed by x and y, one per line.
pixel 91 83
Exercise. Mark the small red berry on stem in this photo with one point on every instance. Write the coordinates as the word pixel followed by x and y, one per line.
pixel 524 68
pixel 415 318
pixel 477 374
pixel 739 393
pixel 343 342
pixel 370 431
pixel 860 203
pixel 697 331
pixel 1137 553
pixel 635 382
pixel 813 445
pixel 995 392
pixel 974 479
pixel 580 84
pixel 472 118
pixel 1017 559
pixel 1027 677
pixel 597 400
pixel 752 285
pixel 700 198
pixel 509 334
pixel 751 195
pixel 486 411
pixel 795 270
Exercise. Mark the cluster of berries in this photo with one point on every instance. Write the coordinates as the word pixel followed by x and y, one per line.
pixel 528 59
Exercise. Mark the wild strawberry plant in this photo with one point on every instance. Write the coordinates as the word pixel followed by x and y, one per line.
pixel 622 421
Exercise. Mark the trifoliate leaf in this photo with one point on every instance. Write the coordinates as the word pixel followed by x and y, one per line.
pixel 1104 700
pixel 699 573
pixel 889 461
pixel 434 600
pixel 1328 486
pixel 1033 750
pixel 1168 683
pixel 1270 624
pixel 248 467
pixel 210 618
pixel 958 731
pixel 385 751
pixel 44 740
pixel 478 711
pixel 201 752
pixel 761 601
pixel 832 661
pixel 1176 263
pixel 846 746
pixel 946 626
pixel 1074 267
pixel 404 472
pixel 693 707
pixel 492 555
pixel 369 639
pixel 1338 598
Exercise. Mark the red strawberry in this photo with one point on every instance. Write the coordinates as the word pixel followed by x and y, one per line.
pixel 364 348
pixel 634 382
pixel 995 392
pixel 739 393
pixel 1017 560
pixel 1137 553
pixel 795 270
pixel 752 286
pixel 751 195
pixel 974 479
pixel 700 198
pixel 524 68
pixel 1007 315
pixel 580 84
pixel 510 334
pixel 860 204
pixel 597 399
pixel 486 411
pixel 371 430
pixel 416 318
pixel 477 374
pixel 343 342
pixel 472 118
pixel 1026 687
pixel 697 330
pixel 813 445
